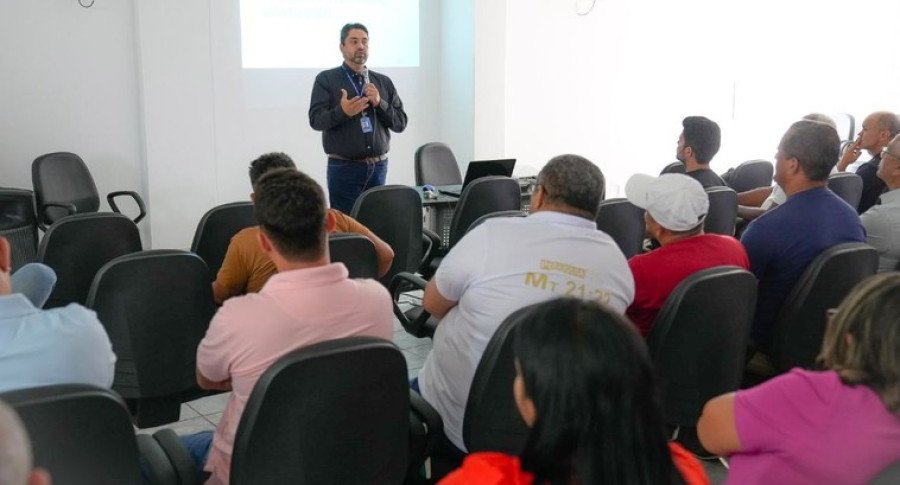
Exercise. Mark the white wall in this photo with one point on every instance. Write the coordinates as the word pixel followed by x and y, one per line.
pixel 457 78
pixel 68 82
pixel 615 84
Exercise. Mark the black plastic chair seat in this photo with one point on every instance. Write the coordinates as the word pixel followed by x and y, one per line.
pixel 624 222
pixel 394 214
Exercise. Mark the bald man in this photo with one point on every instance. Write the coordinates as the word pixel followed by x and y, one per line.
pixel 877 130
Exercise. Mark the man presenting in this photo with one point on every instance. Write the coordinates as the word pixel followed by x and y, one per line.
pixel 355 108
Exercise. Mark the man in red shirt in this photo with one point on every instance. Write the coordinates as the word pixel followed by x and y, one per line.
pixel 675 208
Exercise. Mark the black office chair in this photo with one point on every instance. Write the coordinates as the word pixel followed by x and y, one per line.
pixel 63 186
pixel 722 214
pixel 674 167
pixel 75 247
pixel 156 306
pixel 494 215
pixel 356 252
pixel 624 222
pixel 215 230
pixel 847 186
pixel 492 421
pixel 480 197
pixel 82 435
pixel 699 340
pixel 18 224
pixel 394 214
pixel 888 476
pixel 800 327
pixel 750 175
pixel 333 412
pixel 436 165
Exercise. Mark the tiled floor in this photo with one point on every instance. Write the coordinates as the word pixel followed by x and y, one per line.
pixel 205 413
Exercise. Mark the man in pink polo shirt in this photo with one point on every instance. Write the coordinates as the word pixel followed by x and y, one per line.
pixel 309 300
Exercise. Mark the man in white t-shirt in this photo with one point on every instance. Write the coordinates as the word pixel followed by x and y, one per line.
pixel 508 263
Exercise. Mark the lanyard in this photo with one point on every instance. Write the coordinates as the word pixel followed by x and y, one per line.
pixel 352 82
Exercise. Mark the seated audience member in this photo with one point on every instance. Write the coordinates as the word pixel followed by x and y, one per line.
pixel 507 263
pixel 882 221
pixel 877 130
pixel 781 243
pixel 697 145
pixel 66 345
pixel 35 281
pixel 838 425
pixel 15 452
pixel 246 268
pixel 675 208
pixel 756 202
pixel 586 388
pixel 310 300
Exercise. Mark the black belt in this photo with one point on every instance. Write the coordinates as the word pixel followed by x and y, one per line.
pixel 377 159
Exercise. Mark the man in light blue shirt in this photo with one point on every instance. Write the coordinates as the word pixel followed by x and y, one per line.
pixel 44 347
pixel 882 221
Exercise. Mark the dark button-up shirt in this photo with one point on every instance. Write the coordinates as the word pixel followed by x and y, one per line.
pixel 343 135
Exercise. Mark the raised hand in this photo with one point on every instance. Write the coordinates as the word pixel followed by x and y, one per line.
pixel 353 106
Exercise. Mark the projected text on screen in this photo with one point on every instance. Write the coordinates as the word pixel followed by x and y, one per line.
pixel 306 33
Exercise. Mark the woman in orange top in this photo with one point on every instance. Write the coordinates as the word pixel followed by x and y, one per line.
pixel 585 386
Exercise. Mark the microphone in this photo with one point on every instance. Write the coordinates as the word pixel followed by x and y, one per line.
pixel 365 74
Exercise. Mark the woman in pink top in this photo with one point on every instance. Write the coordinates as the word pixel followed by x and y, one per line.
pixel 840 425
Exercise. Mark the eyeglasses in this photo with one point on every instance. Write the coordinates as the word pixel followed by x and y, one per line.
pixel 884 151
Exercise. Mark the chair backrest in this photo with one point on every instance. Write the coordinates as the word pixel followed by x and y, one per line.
pixel 332 412
pixel 751 174
pixel 75 247
pixel 81 434
pixel 722 214
pixel 215 230
pixel 483 196
pixel 699 339
pixel 436 165
pixel 492 421
pixel 394 214
pixel 18 224
pixel 800 327
pixel 624 222
pixel 493 215
pixel 356 252
pixel 674 167
pixel 156 306
pixel 847 186
pixel 62 178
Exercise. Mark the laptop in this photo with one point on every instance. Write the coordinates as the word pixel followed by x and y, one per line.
pixel 478 169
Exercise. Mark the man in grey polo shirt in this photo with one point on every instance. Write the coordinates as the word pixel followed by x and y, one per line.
pixel 882 221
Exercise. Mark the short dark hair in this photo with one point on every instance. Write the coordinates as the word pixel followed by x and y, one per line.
pixel 703 136
pixel 267 162
pixel 290 209
pixel 815 145
pixel 599 416
pixel 345 30
pixel 573 181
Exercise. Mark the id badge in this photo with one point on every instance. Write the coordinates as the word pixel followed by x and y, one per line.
pixel 366 123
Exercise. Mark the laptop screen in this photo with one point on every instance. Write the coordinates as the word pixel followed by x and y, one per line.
pixel 485 168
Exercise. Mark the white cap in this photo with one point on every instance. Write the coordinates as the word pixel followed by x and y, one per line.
pixel 675 201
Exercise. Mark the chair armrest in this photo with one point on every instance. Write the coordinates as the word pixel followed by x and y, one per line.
pixel 405 282
pixel 110 199
pixel 155 465
pixel 431 245
pixel 179 456
pixel 425 429
pixel 70 207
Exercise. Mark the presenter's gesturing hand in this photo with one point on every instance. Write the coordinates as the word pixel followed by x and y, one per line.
pixel 354 106
pixel 371 92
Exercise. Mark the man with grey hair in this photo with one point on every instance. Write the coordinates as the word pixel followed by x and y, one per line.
pixel 508 263
pixel 781 243
pixel 882 221
pixel 15 452
pixel 877 130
